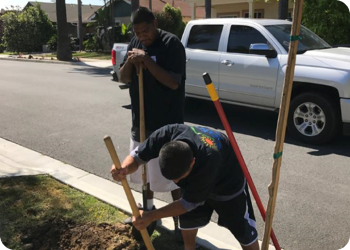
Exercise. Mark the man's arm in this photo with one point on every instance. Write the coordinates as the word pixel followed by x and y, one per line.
pixel 129 166
pixel 170 76
pixel 173 209
pixel 160 74
pixel 146 151
pixel 125 71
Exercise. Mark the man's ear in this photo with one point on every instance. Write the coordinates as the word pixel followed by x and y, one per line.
pixel 193 162
pixel 155 23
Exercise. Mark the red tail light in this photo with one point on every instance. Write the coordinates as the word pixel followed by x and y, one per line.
pixel 113 57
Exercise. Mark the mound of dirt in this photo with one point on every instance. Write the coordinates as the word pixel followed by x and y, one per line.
pixel 66 235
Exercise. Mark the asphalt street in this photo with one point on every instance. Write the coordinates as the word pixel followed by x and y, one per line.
pixel 64 111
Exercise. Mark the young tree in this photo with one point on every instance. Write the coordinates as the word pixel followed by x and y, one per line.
pixel 64 52
pixel 330 19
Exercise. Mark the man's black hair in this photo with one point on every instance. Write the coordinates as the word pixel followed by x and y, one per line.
pixel 175 159
pixel 142 15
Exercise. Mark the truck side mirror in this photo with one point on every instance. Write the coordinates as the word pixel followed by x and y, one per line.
pixel 262 49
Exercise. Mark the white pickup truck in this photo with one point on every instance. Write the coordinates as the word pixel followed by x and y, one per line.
pixel 246 59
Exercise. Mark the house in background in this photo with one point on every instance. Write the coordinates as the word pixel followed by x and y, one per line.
pixel 195 9
pixel 88 14
pixel 240 8
pixel 122 9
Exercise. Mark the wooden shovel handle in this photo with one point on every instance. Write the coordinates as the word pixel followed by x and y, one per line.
pixel 134 208
pixel 143 136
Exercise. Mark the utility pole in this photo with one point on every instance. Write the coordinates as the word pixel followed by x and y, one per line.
pixel 80 26
pixel 150 4
pixel 207 8
pixel 135 4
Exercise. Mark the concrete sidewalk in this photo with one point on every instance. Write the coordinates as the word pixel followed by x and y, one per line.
pixel 16 160
pixel 83 61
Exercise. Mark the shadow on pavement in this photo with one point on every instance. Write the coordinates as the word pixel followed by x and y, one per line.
pixel 89 70
pixel 254 122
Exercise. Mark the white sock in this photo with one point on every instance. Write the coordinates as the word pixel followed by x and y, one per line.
pixel 149 204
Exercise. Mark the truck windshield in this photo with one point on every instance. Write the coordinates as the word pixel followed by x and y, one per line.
pixel 309 40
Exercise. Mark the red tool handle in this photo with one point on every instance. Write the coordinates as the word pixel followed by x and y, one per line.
pixel 215 98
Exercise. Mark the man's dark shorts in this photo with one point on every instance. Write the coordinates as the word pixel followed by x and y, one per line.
pixel 236 215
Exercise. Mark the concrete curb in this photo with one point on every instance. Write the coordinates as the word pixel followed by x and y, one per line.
pixel 16 160
pixel 37 60
pixel 89 62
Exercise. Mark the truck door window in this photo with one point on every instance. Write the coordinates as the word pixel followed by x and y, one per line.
pixel 241 37
pixel 205 37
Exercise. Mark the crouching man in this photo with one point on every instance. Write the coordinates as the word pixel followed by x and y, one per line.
pixel 201 161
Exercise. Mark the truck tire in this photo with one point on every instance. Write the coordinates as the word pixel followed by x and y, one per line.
pixel 314 118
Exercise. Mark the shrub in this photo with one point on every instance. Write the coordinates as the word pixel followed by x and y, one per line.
pixel 170 19
pixel 91 44
pixel 26 31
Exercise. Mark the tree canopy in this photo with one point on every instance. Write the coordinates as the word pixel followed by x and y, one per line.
pixel 330 19
pixel 26 31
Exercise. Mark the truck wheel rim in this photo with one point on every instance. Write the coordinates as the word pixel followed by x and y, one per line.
pixel 309 119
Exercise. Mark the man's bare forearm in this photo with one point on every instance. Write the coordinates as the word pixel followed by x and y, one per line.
pixel 173 209
pixel 125 72
pixel 130 164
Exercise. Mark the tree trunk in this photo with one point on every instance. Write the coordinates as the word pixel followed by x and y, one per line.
pixel 207 8
pixel 283 9
pixel 135 4
pixel 80 26
pixel 111 37
pixel 64 52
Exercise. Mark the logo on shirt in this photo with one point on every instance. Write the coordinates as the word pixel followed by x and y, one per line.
pixel 206 139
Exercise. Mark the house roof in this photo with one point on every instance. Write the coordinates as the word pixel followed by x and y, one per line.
pixel 158 5
pixel 72 11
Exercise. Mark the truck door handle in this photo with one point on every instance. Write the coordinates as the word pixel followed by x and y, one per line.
pixel 227 63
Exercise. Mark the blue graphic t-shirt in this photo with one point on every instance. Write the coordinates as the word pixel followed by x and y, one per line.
pixel 216 172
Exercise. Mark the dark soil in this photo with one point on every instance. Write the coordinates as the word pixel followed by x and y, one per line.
pixel 66 235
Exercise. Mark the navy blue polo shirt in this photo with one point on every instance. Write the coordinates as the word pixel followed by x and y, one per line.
pixel 216 173
pixel 162 105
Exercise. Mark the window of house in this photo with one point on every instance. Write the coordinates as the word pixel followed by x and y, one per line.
pixel 241 37
pixel 257 14
pixel 233 15
pixel 205 37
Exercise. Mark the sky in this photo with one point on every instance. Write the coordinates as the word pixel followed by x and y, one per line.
pixel 22 3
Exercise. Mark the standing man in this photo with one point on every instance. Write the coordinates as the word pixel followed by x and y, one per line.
pixel 202 162
pixel 162 57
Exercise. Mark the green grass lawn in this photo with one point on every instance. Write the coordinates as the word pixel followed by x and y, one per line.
pixel 32 202
pixel 91 55
pixel 8 53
